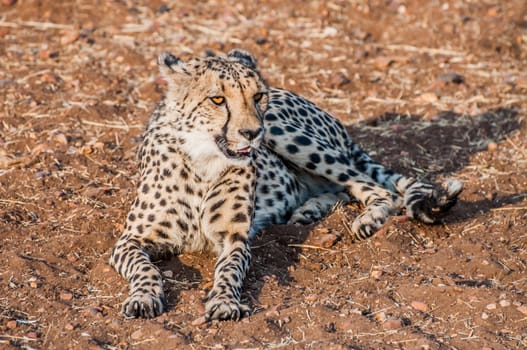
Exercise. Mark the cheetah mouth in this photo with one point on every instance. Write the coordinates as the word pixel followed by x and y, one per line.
pixel 239 153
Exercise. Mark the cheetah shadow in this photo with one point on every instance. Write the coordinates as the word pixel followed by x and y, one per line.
pixel 429 149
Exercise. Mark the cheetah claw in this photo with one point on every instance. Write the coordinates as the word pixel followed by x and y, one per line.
pixel 144 305
pixel 225 309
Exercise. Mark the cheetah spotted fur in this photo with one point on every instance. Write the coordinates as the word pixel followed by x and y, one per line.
pixel 223 156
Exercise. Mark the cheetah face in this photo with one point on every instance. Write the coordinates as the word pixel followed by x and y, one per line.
pixel 219 101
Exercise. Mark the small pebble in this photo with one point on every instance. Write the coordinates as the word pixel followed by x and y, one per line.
pixel 11 324
pixel 338 80
pixel 69 37
pixel 451 77
pixel 419 306
pixel 311 298
pixel 50 79
pixel 168 273
pixel 327 240
pixel 491 306
pixel 32 335
pixel 199 321
pixel 427 97
pixel 380 316
pixel 69 327
pixel 505 303
pixel 66 296
pixel 522 309
pixel 115 324
pixel 376 274
pixel 136 335
pixel 392 324
pixel 60 138
pixel 492 146
pixel 92 311
pixel 484 316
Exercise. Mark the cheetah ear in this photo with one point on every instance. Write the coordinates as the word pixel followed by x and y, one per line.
pixel 169 64
pixel 243 57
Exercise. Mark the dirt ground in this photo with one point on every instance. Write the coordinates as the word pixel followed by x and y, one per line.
pixel 433 89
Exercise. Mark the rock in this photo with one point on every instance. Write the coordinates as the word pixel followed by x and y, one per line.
pixel 376 274
pixel 380 317
pixel 491 306
pixel 505 303
pixel 492 146
pixel 11 324
pixel 451 77
pixel 46 54
pixel 92 311
pixel 50 78
pixel 392 324
pixel 69 37
pixel 168 274
pixel 66 296
pixel 138 334
pixel 382 63
pixel 419 306
pixel 199 321
pixel 32 335
pixel 115 324
pixel 60 138
pixel 522 309
pixel 338 80
pixel 69 327
pixel 484 316
pixel 427 97
pixel 311 298
pixel 326 240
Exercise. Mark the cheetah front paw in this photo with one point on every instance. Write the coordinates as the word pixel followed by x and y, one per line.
pixel 145 305
pixel 224 308
pixel 430 204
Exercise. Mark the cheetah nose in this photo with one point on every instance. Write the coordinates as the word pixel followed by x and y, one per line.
pixel 250 134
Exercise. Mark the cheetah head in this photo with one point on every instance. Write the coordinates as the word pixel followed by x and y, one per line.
pixel 219 101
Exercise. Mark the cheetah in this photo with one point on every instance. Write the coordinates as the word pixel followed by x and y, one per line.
pixel 223 156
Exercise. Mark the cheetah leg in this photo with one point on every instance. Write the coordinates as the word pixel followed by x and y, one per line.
pixel 423 201
pixel 316 208
pixel 146 298
pixel 224 298
pixel 317 143
pixel 226 221
pixel 379 202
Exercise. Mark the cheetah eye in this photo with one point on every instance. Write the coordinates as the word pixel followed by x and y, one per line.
pixel 257 97
pixel 218 100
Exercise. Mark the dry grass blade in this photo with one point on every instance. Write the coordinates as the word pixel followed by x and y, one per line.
pixel 36 25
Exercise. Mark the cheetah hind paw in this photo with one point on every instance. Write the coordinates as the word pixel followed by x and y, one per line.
pixel 223 308
pixel 144 305
pixel 316 208
pixel 430 206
